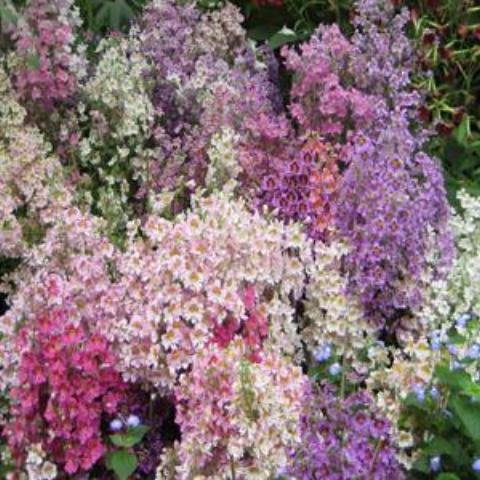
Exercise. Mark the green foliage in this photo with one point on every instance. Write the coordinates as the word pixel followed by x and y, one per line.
pixel 295 20
pixel 107 15
pixel 133 436
pixel 123 462
pixel 247 392
pixel 7 12
pixel 447 44
pixel 446 36
pixel 460 154
pixel 448 426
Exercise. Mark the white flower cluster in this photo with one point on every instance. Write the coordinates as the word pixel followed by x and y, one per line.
pixel 184 278
pixel 458 294
pixel 268 408
pixel 37 467
pixel 118 87
pixel 223 167
pixel 464 281
pixel 31 179
pixel 120 116
pixel 333 317
pixel 390 381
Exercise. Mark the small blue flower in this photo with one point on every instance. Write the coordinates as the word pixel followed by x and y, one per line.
pixel 133 421
pixel 463 319
pixel 435 344
pixel 455 365
pixel 474 352
pixel 435 463
pixel 476 465
pixel 453 350
pixel 334 369
pixel 434 393
pixel 322 353
pixel 116 425
pixel 419 392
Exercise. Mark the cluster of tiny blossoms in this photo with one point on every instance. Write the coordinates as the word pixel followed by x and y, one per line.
pixel 388 187
pixel 302 187
pixel 236 415
pixel 46 63
pixel 343 438
pixel 458 294
pixel 332 318
pixel 31 178
pixel 116 118
pixel 393 376
pixel 66 381
pixel 37 467
pixel 207 77
pixel 70 265
pixel 195 280
pixel 321 100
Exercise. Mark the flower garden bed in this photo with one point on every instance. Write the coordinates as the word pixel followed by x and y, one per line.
pixel 239 241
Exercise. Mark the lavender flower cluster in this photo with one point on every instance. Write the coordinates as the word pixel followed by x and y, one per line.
pixel 343 438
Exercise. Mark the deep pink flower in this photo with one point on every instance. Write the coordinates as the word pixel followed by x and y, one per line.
pixel 67 382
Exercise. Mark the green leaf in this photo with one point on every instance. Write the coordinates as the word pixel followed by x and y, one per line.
pixel 422 465
pixel 469 415
pixel 8 15
pixel 457 380
pixel 132 437
pixel 441 446
pixel 123 463
pixel 262 32
pixel 138 432
pixel 451 448
pixel 462 131
pixel 412 401
pixel 113 14
pixel 447 476
pixel 283 36
pixel 33 61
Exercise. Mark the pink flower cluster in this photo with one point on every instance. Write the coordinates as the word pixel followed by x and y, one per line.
pixel 67 383
pixel 237 414
pixel 47 68
pixel 321 98
pixel 215 272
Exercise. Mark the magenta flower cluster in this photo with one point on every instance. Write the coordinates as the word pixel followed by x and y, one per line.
pixel 48 67
pixel 67 384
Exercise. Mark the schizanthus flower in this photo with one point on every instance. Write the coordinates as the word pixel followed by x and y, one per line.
pixel 45 35
pixel 66 382
pixel 31 178
pixel 237 415
pixel 343 438
pixel 212 273
pixel 388 186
